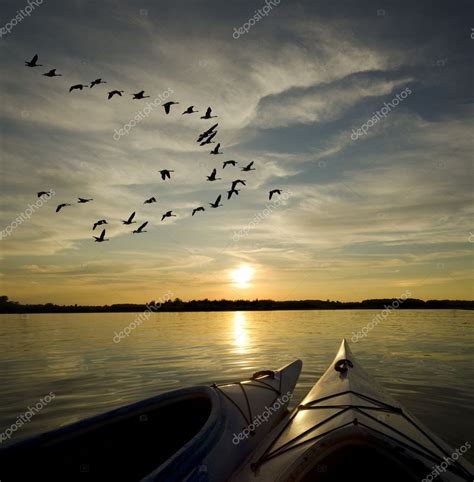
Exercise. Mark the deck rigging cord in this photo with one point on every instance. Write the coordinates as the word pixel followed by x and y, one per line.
pixel 256 382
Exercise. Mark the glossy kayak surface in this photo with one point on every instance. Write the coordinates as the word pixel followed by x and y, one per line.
pixel 195 434
pixel 349 428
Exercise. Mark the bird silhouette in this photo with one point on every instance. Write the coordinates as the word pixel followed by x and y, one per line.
pixel 140 229
pixel 206 133
pixel 115 92
pixel 209 140
pixel 272 192
pixel 216 149
pixel 213 177
pixel 52 73
pixel 165 173
pixel 82 200
pixel 60 206
pixel 248 167
pixel 76 87
pixel 237 182
pixel 190 110
pixel 44 193
pixel 208 115
pixel 167 106
pixel 229 163
pixel 32 62
pixel 151 200
pixel 99 223
pixel 101 238
pixel 139 95
pixel 130 219
pixel 195 210
pixel 168 214
pixel 232 191
pixel 216 204
pixel 97 82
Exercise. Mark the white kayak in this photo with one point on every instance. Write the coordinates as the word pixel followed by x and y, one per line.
pixel 193 434
pixel 349 428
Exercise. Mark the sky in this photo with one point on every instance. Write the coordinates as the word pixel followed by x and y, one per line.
pixel 372 204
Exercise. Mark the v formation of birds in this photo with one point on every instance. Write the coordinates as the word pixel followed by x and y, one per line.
pixel 203 139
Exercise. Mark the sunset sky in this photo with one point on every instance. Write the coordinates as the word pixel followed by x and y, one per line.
pixel 363 218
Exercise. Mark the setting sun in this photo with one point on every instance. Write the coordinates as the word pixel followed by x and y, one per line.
pixel 242 276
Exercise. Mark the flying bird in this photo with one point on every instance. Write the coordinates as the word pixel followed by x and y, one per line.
pixel 140 229
pixel 101 238
pixel 209 139
pixel 190 110
pixel 52 73
pixel 248 167
pixel 237 182
pixel 167 106
pixel 168 214
pixel 232 191
pixel 130 219
pixel 44 193
pixel 216 203
pixel 272 192
pixel 206 133
pixel 115 92
pixel 32 62
pixel 216 149
pixel 208 115
pixel 166 173
pixel 76 87
pixel 151 200
pixel 60 206
pixel 213 177
pixel 97 82
pixel 195 210
pixel 229 163
pixel 99 223
pixel 82 200
pixel 139 95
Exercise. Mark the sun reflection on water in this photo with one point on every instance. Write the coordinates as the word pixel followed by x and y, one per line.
pixel 240 332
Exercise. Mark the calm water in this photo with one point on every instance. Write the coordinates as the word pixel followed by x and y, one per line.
pixel 424 358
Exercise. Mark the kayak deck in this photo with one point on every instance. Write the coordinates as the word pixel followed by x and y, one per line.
pixel 348 413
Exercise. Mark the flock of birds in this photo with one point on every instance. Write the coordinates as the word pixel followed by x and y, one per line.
pixel 205 138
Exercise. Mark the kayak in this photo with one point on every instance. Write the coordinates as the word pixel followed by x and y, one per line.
pixel 349 428
pixel 202 433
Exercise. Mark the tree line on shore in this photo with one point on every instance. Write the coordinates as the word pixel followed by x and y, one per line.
pixel 178 305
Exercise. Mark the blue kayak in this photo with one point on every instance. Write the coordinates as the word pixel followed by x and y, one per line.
pixel 201 433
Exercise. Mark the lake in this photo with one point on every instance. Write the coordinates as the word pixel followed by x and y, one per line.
pixel 424 358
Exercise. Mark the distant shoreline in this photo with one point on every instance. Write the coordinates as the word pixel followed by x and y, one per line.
pixel 199 306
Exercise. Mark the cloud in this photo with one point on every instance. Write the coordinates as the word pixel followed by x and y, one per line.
pixel 287 96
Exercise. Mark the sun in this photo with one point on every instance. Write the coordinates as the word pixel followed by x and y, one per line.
pixel 242 276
